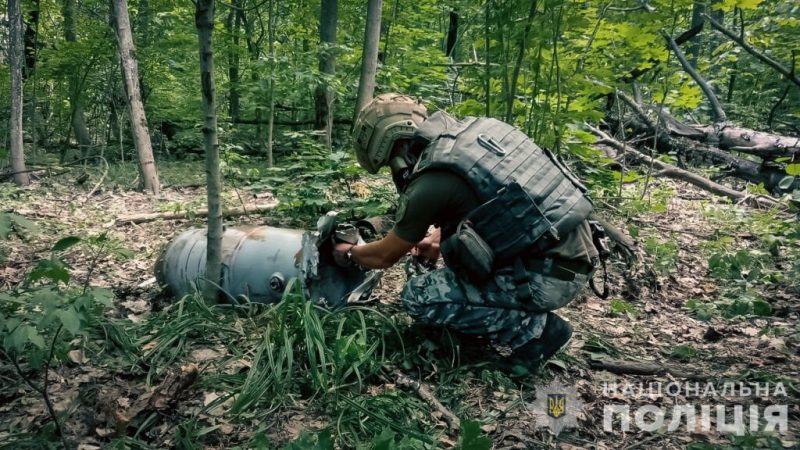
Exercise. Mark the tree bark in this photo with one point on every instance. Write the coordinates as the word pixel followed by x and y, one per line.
pixel 694 143
pixel 130 73
pixel 78 119
pixel 369 58
pixel 487 72
pixel 765 145
pixel 204 21
pixel 327 67
pixel 15 59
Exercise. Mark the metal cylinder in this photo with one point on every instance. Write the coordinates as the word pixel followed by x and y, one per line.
pixel 258 262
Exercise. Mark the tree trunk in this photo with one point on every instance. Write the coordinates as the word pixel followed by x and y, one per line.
pixel 384 55
pixel 233 24
pixel 668 170
pixel 452 35
pixel 271 95
pixel 78 119
pixel 369 58
pixel 255 53
pixel 143 19
pixel 327 67
pixel 204 21
pixel 31 39
pixel 521 46
pixel 130 73
pixel 487 74
pixel 693 50
pixel 503 42
pixel 15 59
pixel 745 140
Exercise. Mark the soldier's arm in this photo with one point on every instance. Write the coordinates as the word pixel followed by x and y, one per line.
pixel 416 211
pixel 379 254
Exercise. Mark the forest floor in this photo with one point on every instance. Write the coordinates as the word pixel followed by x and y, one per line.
pixel 712 299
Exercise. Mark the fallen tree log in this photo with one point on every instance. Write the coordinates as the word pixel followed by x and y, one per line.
pixel 184 215
pixel 769 174
pixel 765 145
pixel 700 144
pixel 726 137
pixel 668 170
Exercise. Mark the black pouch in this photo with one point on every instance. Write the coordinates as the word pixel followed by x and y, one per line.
pixel 467 254
pixel 511 223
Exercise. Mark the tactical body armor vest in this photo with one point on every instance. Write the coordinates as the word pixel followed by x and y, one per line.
pixel 529 199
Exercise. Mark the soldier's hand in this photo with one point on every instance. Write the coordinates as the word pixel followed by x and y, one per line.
pixel 340 254
pixel 428 248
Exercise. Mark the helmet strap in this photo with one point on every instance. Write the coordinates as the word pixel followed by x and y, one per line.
pixel 402 164
pixel 401 171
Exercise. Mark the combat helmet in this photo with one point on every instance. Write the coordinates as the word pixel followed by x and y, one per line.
pixel 387 118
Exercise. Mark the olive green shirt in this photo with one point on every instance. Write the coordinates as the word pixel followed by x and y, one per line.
pixel 441 197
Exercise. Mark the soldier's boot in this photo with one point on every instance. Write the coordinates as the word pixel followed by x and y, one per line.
pixel 532 355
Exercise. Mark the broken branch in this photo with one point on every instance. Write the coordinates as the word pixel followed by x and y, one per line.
pixel 780 68
pixel 716 107
pixel 425 394
pixel 637 109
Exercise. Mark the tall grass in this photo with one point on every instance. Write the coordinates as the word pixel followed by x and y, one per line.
pixel 296 354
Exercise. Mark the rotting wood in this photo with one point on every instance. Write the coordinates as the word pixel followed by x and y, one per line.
pixel 185 215
pixel 425 394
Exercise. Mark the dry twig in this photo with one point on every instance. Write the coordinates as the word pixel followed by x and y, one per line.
pixel 425 394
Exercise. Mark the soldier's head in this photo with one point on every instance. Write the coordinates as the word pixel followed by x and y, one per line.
pixel 384 129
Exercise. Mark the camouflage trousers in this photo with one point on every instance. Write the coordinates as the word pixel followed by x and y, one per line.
pixel 441 298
